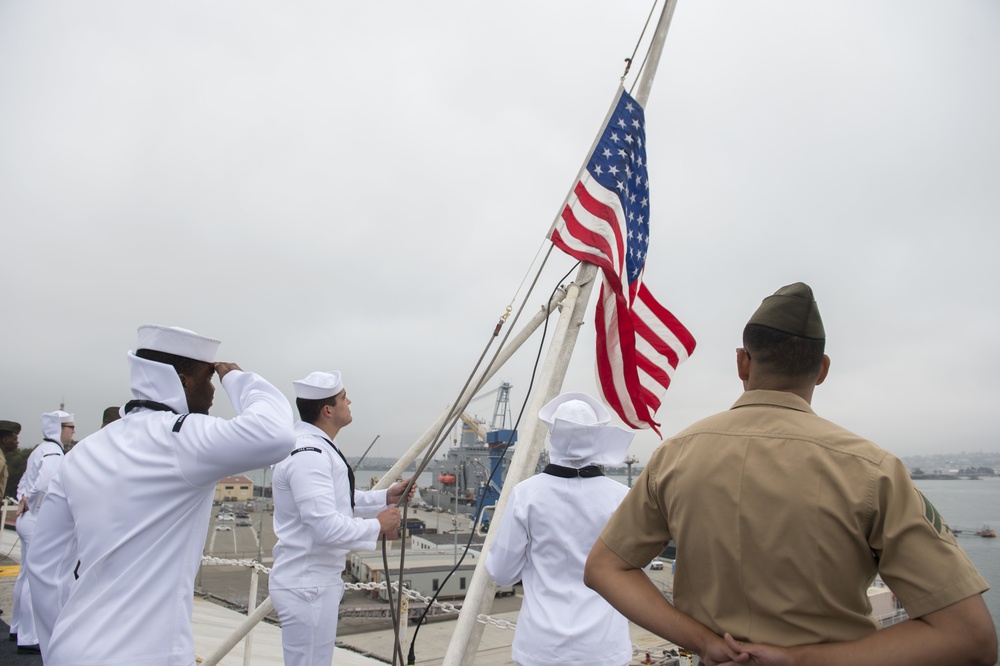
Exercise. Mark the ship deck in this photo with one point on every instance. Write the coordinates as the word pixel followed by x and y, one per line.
pixel 213 623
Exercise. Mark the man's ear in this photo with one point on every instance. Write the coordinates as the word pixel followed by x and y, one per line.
pixel 743 364
pixel 823 370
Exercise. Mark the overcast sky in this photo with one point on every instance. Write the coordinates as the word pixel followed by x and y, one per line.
pixel 363 187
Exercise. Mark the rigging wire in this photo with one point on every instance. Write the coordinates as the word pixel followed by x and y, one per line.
pixel 397 649
pixel 454 415
pixel 439 438
pixel 363 455
pixel 457 409
pixel 411 656
pixel 630 60
pixel 526 272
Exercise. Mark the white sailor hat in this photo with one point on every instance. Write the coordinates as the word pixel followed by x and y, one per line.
pixel 52 422
pixel 178 341
pixel 318 385
pixel 578 408
pixel 579 434
pixel 58 417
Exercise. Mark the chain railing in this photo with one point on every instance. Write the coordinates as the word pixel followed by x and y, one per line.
pixel 255 615
pixel 663 656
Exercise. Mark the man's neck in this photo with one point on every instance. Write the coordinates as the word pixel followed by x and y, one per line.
pixel 803 391
pixel 329 428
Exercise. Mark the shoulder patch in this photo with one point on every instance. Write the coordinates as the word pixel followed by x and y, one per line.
pixel 305 448
pixel 179 422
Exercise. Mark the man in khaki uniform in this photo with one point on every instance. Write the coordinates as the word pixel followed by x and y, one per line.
pixel 782 520
pixel 9 430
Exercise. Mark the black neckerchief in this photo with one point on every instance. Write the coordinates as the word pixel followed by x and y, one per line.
pixel 588 472
pixel 148 404
pixel 158 407
pixel 350 472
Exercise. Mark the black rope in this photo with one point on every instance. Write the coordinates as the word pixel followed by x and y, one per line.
pixel 404 499
pixel 411 656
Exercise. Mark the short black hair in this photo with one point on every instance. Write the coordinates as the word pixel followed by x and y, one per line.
pixel 783 353
pixel 182 364
pixel 309 409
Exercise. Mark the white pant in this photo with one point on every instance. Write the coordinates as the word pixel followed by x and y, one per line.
pixel 308 623
pixel 23 619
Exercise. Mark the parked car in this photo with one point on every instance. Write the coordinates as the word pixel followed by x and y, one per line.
pixel 225 516
pixel 656 565
pixel 242 515
pixel 243 523
pixel 223 528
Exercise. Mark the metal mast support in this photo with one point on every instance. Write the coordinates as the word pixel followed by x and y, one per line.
pixel 479 598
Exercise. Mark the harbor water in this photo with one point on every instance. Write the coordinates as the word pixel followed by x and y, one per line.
pixel 967 506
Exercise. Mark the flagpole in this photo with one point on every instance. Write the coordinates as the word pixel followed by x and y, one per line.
pixel 468 632
pixel 645 82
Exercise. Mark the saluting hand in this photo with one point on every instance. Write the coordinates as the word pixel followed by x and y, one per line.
pixel 224 368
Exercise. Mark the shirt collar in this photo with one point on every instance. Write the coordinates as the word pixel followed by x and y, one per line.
pixel 773 399
pixel 303 428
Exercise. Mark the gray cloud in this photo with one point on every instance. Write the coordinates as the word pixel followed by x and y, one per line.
pixel 363 188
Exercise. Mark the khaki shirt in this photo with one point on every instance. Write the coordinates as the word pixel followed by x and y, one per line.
pixel 4 471
pixel 782 519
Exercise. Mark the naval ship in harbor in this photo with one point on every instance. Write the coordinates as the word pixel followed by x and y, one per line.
pixel 469 476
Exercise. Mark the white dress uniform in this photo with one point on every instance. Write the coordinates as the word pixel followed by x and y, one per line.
pixel 24 524
pixel 545 534
pixel 316 528
pixel 133 502
pixel 39 469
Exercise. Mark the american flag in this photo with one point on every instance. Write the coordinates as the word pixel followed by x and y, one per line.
pixel 606 222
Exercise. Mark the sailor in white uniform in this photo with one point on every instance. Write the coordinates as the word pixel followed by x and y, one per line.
pixel 318 517
pixel 132 502
pixel 546 532
pixel 57 430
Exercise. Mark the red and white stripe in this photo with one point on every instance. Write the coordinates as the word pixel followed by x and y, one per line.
pixel 639 342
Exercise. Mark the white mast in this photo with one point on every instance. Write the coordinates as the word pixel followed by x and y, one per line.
pixel 479 598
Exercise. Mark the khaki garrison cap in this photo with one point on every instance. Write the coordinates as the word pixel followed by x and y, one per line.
pixel 793 310
pixel 111 414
